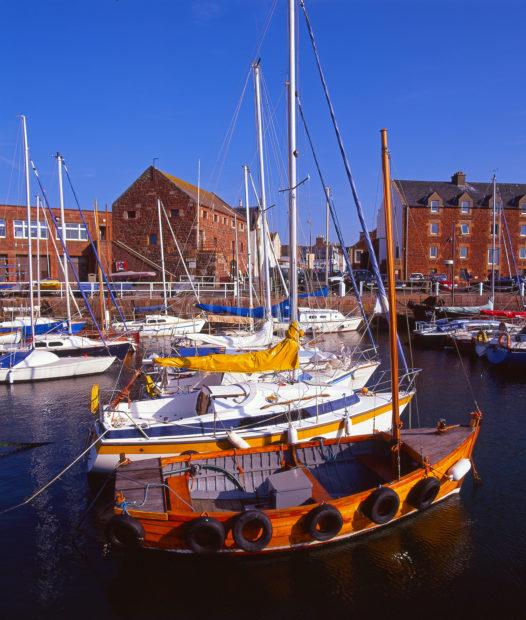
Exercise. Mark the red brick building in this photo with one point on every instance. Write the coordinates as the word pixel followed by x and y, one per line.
pixel 207 242
pixel 433 217
pixel 14 260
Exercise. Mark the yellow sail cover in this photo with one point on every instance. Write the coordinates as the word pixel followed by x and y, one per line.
pixel 283 356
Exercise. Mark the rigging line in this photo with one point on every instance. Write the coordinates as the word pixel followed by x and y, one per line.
pixel 60 232
pixel 13 166
pixel 96 254
pixel 357 202
pixel 336 225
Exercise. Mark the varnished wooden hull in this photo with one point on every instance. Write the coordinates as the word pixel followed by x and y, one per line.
pixel 166 530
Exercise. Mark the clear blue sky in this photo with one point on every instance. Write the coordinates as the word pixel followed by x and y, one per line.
pixel 114 83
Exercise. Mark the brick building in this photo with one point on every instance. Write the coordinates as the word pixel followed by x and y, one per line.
pixel 430 215
pixel 14 260
pixel 207 242
pixel 359 252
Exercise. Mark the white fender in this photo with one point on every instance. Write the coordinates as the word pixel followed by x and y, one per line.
pixel 292 434
pixel 348 425
pixel 236 440
pixel 457 471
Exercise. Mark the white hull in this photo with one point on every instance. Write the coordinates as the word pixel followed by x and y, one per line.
pixel 62 368
pixel 324 326
pixel 164 326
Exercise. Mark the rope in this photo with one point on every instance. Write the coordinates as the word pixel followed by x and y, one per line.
pixel 357 202
pixel 57 477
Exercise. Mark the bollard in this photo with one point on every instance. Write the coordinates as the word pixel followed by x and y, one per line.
pixel 481 287
pixel 341 288
pixel 437 286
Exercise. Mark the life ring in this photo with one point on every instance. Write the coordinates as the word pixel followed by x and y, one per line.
pixel 424 493
pixel 124 532
pixel 205 535
pixel 505 341
pixel 252 530
pixel 382 505
pixel 482 336
pixel 324 522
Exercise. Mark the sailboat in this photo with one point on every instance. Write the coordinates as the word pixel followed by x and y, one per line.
pixel 283 497
pixel 31 364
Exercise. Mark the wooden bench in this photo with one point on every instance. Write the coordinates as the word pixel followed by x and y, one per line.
pixel 178 495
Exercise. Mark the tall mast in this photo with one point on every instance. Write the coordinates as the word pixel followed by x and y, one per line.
pixel 292 154
pixel 262 190
pixel 63 233
pixel 249 245
pixel 29 244
pixel 453 254
pixel 161 244
pixel 198 211
pixel 391 294
pixel 99 270
pixel 493 237
pixel 327 225
pixel 237 257
pixel 38 250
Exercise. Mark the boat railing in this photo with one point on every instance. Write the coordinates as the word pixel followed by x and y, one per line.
pixel 406 381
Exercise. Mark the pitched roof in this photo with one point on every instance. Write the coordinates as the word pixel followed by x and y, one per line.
pixel 206 198
pixel 416 193
pixel 253 214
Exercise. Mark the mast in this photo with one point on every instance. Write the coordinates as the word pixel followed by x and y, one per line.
pixel 493 237
pixel 249 245
pixel 453 254
pixel 161 244
pixel 38 250
pixel 292 154
pixel 391 294
pixel 29 244
pixel 198 211
pixel 63 233
pixel 262 191
pixel 99 270
pixel 237 258
pixel 327 224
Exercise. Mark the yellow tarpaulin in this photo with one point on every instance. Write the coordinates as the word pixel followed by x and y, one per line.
pixel 283 356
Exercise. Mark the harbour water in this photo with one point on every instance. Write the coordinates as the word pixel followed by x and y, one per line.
pixel 464 558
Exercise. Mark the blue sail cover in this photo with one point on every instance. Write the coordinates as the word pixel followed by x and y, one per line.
pixel 149 308
pixel 280 311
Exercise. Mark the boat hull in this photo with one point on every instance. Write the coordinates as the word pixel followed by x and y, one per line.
pixel 62 369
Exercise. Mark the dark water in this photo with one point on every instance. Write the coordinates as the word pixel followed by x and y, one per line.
pixel 464 558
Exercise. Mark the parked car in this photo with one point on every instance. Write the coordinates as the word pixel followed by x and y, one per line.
pixel 416 277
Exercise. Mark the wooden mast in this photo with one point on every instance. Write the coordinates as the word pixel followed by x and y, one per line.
pixel 391 293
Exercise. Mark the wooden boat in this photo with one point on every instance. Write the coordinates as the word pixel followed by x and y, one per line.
pixel 284 497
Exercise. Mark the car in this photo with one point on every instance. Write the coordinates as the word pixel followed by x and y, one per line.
pixel 416 277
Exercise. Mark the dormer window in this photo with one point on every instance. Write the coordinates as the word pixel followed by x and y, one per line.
pixel 465 207
pixel 435 206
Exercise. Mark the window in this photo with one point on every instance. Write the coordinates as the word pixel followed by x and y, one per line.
pixel 434 204
pixel 20 230
pixel 493 256
pixel 523 230
pixel 233 223
pixel 224 220
pixel 216 217
pixel 464 229
pixel 74 232
pixel 433 251
pixel 102 232
pixel 433 228
pixel 522 253
pixel 2 228
pixel 204 214
pixel 241 226
pixel 130 215
pixel 357 256
pixel 496 231
pixel 152 239
pixel 465 206
pixel 523 208
pixel 463 252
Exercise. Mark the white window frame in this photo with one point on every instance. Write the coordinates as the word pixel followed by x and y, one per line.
pixel 465 207
pixel 466 249
pixel 523 208
pixel 73 226
pixel 464 224
pixel 435 234
pixel 435 208
pixel 491 256
pixel 20 230
pixel 522 253
pixel 435 247
pixel 523 230
pixel 3 228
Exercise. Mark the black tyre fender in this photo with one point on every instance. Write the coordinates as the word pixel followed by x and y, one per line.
pixel 205 535
pixel 324 522
pixel 252 518
pixel 382 505
pixel 124 532
pixel 424 493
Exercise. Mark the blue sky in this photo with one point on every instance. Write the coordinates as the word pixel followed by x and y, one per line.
pixel 114 83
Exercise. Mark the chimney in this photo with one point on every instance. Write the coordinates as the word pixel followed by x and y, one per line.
pixel 459 178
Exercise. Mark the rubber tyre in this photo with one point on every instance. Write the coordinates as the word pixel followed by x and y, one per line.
pixel 382 505
pixel 324 522
pixel 424 493
pixel 252 517
pixel 124 532
pixel 205 535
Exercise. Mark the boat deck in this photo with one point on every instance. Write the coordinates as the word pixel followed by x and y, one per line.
pixel 430 443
